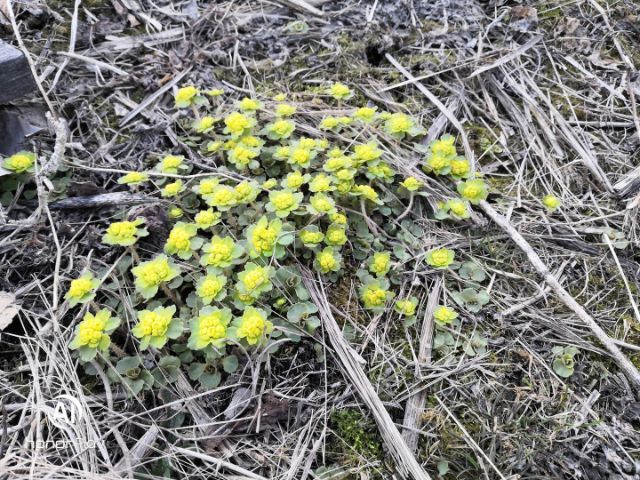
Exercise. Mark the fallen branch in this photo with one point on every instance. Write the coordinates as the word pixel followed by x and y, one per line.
pixel 408 466
pixel 415 403
pixel 623 362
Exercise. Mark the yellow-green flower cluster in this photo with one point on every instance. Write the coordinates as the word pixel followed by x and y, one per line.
pixel 253 326
pixel 328 260
pixel 209 328
pixel 125 233
pixel 210 287
pixel 253 281
pixel 133 178
pixel 380 263
pixel 262 237
pixel 150 275
pixel 82 289
pixel 375 293
pixel 440 258
pixel 406 307
pixel 155 327
pixel 283 202
pixel 221 252
pixel 444 315
pixel 21 162
pixel 551 202
pixel 92 334
pixel 181 240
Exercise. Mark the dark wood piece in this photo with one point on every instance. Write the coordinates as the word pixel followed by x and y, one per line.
pixel 15 76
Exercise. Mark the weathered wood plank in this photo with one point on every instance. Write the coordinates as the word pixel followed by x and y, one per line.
pixel 15 76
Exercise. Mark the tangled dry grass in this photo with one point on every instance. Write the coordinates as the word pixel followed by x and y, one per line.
pixel 542 96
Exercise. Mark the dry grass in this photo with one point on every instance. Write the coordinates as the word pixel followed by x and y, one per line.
pixel 546 107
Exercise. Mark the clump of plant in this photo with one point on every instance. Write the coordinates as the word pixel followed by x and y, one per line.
pixel 227 282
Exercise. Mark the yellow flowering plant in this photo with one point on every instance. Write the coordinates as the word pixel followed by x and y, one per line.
pixel 328 260
pixel 221 252
pixel 150 275
pixel 266 238
pixel 172 164
pixel 187 96
pixel 264 201
pixel 340 91
pixel 210 287
pixel 253 326
pixel 206 219
pixel 209 328
pixel 473 190
pixel 283 202
pixel 380 263
pixel 182 240
pixel 440 258
pixel 155 327
pixel 375 293
pixel 406 306
pixel 125 233
pixel 133 178
pixel 21 162
pixel 444 315
pixel 173 189
pixel 254 280
pixel 82 289
pixel 551 202
pixel 92 334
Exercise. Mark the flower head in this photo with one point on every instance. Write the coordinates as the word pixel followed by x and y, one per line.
pixel 124 233
pixel 336 235
pixel 444 315
pixel 133 178
pixel 206 218
pixel 398 125
pixel 295 179
pixel 328 260
pixel 155 327
pixel 209 328
pixel 215 92
pixel 365 114
pixel 175 213
pixel 375 294
pixel 367 192
pixel 380 263
pixel 180 241
pixel 221 252
pixel 204 125
pixel 321 183
pixel 366 152
pixel 246 192
pixel 223 198
pixel 437 164
pixel 444 147
pixel 411 183
pixel 321 204
pixel 172 189
pixel 254 280
pixel 340 91
pixel 283 202
pixel 186 96
pixel 406 307
pixel 242 156
pixel 285 110
pixel 151 274
pixel 211 287
pixel 253 326
pixel 206 186
pixel 82 289
pixel 551 202
pixel 237 124
pixel 263 236
pixel 311 236
pixel 92 334
pixel 440 258
pixel 20 162
pixel 280 129
pixel 301 157
pixel 249 104
pixel 473 190
pixel 460 168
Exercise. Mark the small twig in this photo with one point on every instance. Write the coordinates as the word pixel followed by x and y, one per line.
pixel 623 362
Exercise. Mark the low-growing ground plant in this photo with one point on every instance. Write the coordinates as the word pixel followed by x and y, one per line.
pixel 283 197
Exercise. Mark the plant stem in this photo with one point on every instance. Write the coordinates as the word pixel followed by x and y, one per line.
pixel 171 295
